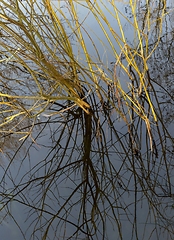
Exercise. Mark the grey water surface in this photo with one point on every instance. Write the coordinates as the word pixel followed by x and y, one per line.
pixel 137 184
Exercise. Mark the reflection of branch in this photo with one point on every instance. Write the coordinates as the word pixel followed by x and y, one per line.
pixel 65 109
pixel 80 228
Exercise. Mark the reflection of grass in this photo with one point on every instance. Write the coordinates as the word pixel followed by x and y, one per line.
pixel 102 169
pixel 91 179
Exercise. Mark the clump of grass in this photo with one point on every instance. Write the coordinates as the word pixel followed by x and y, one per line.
pixel 42 74
pixel 34 40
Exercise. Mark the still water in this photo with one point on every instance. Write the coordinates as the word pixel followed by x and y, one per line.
pixel 87 177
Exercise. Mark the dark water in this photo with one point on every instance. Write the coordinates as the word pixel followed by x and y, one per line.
pixel 88 177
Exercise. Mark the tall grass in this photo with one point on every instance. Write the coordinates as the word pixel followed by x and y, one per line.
pixel 34 39
pixel 95 174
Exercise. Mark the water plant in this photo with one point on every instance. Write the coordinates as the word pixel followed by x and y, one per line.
pixel 34 39
pixel 106 177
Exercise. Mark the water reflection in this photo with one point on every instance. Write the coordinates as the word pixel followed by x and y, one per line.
pixel 92 176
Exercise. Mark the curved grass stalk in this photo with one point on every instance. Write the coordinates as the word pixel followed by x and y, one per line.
pixel 41 40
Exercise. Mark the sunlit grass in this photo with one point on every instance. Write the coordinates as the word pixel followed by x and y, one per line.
pixel 96 166
pixel 43 47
